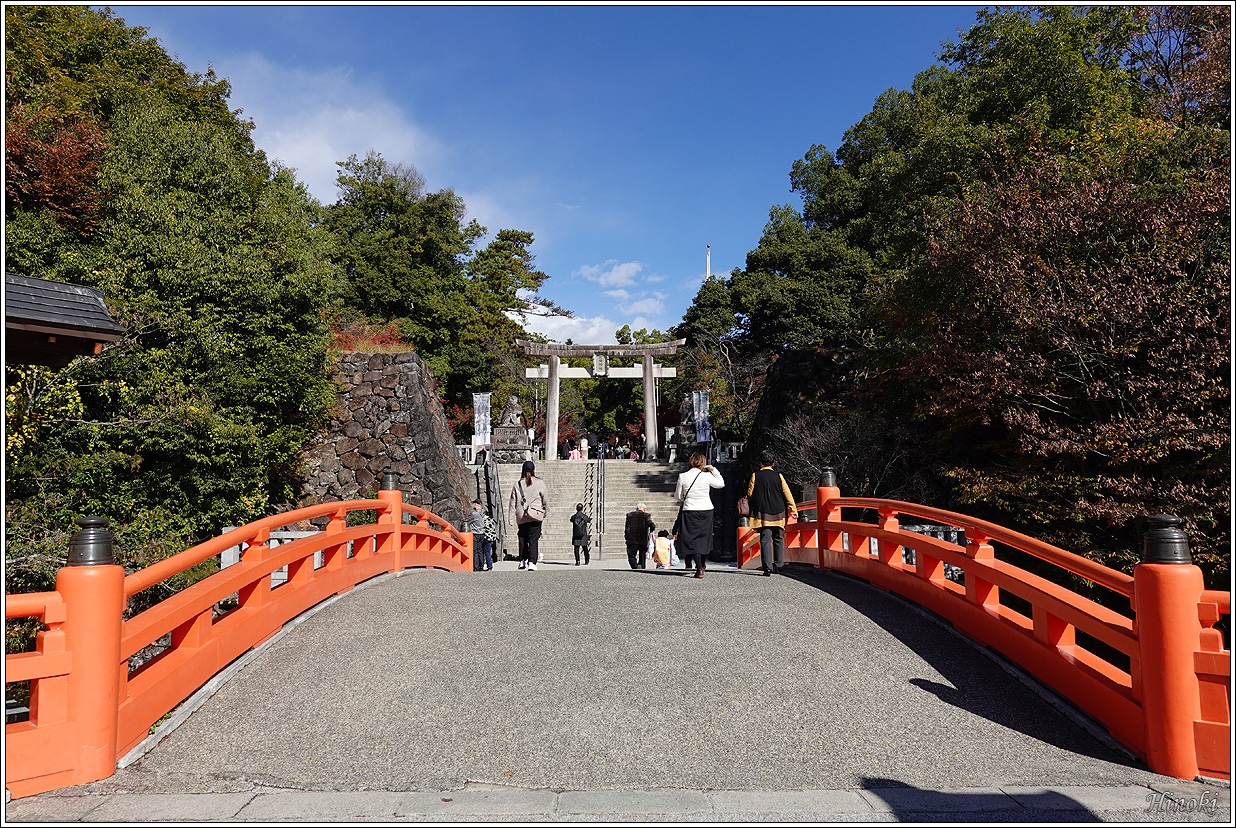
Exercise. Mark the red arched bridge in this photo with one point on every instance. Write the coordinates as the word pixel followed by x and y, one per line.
pixel 1158 676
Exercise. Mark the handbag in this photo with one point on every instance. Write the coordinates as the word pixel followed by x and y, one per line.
pixel 744 506
pixel 534 512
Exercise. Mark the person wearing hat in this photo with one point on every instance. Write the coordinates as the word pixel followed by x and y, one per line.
pixel 529 506
pixel 771 500
pixel 482 547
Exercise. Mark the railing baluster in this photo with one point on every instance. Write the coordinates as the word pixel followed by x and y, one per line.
pixel 195 632
pixel 888 521
pixel 1051 630
pixel 256 593
pixel 978 591
pixel 334 555
pixel 927 567
pixel 49 697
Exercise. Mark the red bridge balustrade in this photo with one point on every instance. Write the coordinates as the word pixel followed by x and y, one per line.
pixel 1159 681
pixel 88 709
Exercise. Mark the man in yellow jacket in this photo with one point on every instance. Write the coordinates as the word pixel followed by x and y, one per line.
pixel 771 501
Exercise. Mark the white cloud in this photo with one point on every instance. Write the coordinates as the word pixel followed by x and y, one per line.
pixel 642 322
pixel 310 119
pixel 611 272
pixel 650 305
pixel 621 294
pixel 588 330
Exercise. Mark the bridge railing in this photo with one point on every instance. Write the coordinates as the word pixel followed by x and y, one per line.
pixel 1158 678
pixel 88 708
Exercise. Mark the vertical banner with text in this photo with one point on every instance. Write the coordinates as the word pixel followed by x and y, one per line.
pixel 480 421
pixel 703 431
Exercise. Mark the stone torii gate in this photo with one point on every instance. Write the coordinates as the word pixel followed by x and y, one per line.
pixel 553 372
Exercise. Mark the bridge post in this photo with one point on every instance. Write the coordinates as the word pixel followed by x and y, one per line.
pixel 92 586
pixel 390 494
pixel 827 540
pixel 1166 590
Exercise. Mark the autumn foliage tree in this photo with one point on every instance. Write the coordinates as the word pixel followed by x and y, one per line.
pixel 1028 266
pixel 1074 369
pixel 1064 338
pixel 50 163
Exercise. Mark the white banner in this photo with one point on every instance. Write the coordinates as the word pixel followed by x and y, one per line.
pixel 480 420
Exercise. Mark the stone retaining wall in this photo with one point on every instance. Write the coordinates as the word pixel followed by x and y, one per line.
pixel 388 416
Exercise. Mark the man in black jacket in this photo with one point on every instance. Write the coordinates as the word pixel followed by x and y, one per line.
pixel 639 527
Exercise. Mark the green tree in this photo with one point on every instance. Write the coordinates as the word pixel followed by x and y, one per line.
pixel 1044 73
pixel 800 285
pixel 402 250
pixel 409 259
pixel 711 313
pixel 214 262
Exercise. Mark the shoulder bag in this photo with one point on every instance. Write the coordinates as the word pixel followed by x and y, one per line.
pixel 535 512
pixel 678 520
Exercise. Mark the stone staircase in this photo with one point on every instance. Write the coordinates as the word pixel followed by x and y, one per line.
pixel 627 482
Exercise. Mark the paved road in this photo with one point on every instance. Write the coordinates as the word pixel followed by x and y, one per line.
pixel 582 693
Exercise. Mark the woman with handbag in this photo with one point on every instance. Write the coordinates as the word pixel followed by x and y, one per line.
pixel 530 506
pixel 693 529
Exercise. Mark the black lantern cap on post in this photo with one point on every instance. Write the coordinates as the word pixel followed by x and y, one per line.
pixel 92 545
pixel 828 478
pixel 1165 542
pixel 390 481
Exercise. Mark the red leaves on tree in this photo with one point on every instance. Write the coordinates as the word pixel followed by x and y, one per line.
pixel 51 162
pixel 1083 350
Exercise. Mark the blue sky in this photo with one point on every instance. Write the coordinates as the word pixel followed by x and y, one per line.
pixel 626 138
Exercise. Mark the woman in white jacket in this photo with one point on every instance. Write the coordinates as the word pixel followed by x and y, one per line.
pixel 693 531
pixel 530 506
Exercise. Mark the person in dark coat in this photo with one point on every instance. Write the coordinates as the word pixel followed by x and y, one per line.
pixel 771 501
pixel 639 527
pixel 581 538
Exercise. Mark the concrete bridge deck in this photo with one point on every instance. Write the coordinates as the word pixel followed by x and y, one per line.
pixel 598 693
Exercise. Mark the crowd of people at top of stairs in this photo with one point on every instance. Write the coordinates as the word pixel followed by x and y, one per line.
pixel 769 501
pixel 613 447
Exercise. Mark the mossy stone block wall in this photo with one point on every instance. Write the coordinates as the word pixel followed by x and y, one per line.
pixel 388 416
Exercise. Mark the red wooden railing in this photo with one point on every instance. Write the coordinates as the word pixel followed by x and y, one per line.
pixel 87 709
pixel 1167 696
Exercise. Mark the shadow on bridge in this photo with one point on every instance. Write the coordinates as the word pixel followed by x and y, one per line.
pixel 967 691
pixel 910 804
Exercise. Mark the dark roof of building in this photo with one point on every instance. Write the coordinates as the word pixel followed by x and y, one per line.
pixel 43 302
pixel 48 322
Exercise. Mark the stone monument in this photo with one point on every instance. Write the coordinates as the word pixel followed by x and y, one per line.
pixel 510 438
